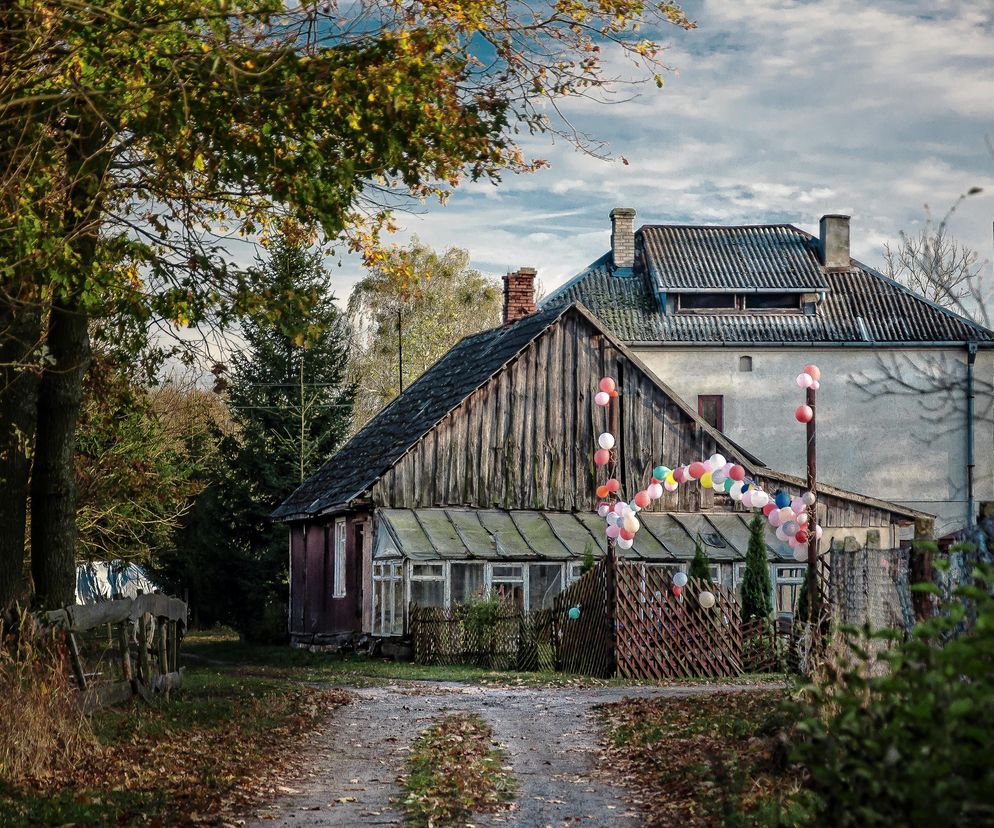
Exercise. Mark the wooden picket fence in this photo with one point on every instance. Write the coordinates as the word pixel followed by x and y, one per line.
pixel 585 645
pixel 124 647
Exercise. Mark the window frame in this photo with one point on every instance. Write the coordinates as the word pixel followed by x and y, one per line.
pixel 735 306
pixel 789 309
pixel 720 400
pixel 338 588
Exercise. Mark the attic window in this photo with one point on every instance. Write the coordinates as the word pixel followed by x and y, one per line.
pixel 772 301
pixel 707 301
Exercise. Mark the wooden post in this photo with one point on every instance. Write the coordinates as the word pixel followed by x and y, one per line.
pixel 74 659
pixel 814 600
pixel 616 469
pixel 161 624
pixel 144 662
pixel 921 569
pixel 122 643
pixel 173 646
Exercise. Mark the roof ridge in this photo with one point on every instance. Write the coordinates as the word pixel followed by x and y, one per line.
pixel 725 226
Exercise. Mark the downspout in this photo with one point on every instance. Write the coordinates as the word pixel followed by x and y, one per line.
pixel 971 356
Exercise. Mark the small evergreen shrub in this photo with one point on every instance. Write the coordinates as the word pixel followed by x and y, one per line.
pixel 757 589
pixel 699 566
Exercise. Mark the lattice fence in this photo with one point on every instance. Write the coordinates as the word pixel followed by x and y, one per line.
pixel 871 586
pixel 662 636
pixel 584 645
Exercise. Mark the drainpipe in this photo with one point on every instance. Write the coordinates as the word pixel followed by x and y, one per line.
pixel 971 356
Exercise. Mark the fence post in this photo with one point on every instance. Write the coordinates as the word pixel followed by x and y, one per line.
pixel 122 643
pixel 921 568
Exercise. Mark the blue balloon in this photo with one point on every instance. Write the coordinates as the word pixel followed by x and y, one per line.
pixel 782 499
pixel 574 613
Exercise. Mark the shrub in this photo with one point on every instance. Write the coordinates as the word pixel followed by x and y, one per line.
pixel 908 745
pixel 699 566
pixel 757 588
pixel 43 730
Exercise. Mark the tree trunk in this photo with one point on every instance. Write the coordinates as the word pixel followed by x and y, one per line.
pixel 53 488
pixel 20 332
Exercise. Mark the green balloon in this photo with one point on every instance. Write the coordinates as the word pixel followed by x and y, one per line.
pixel 728 484
pixel 574 613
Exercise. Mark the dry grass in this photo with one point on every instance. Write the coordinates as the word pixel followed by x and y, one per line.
pixel 43 730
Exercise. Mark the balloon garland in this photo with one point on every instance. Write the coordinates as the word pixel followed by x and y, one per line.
pixel 787 516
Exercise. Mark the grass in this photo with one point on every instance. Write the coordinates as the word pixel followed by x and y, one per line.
pixel 454 771
pixel 714 760
pixel 220 744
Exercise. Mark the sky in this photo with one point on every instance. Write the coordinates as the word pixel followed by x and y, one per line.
pixel 774 111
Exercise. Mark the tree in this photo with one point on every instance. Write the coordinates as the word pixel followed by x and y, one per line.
pixel 140 139
pixel 757 589
pixel 699 567
pixel 291 407
pixel 414 305
pixel 934 264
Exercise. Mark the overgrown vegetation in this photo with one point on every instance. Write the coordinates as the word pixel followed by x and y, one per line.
pixel 454 771
pixel 219 745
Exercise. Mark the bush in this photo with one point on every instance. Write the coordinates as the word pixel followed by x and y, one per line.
pixel 757 588
pixel 699 565
pixel 43 730
pixel 910 744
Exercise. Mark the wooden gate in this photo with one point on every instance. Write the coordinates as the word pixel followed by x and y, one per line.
pixel 584 645
pixel 662 636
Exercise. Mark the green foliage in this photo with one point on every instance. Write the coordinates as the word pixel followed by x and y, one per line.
pixel 414 303
pixel 757 589
pixel 699 567
pixel 587 562
pixel 908 744
pixel 291 408
pixel 803 610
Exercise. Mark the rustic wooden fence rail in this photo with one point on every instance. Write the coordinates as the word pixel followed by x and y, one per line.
pixel 101 636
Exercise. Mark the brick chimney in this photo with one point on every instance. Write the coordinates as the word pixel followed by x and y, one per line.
pixel 623 237
pixel 519 294
pixel 834 233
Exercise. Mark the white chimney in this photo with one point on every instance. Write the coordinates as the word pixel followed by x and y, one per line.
pixel 834 232
pixel 623 237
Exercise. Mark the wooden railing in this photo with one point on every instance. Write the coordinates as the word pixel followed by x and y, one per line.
pixel 100 638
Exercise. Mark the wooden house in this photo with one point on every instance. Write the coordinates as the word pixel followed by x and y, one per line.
pixel 480 476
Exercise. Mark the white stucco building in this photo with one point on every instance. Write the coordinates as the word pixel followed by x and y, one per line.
pixel 728 316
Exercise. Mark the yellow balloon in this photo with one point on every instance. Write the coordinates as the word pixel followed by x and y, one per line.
pixel 670 479
pixel 706 480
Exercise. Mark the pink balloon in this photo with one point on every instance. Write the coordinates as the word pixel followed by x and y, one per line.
pixel 815 385
pixel 774 518
pixel 804 414
pixel 818 532
pixel 619 507
pixel 804 380
pixel 671 487
pixel 747 499
pixel 607 385
pixel 602 457
pixel 786 514
pixel 679 474
pixel 642 499
pixel 612 532
pixel 602 398
pixel 655 491
pixel 798 505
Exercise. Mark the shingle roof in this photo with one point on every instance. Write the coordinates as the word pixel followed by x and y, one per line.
pixel 860 304
pixel 385 438
pixel 767 257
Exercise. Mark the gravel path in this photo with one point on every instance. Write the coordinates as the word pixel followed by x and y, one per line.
pixel 550 735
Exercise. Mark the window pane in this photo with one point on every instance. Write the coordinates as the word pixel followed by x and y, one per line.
pixel 710 407
pixel 707 301
pixel 745 363
pixel 507 571
pixel 428 570
pixel 428 593
pixel 545 582
pixel 514 593
pixel 772 301
pixel 467 582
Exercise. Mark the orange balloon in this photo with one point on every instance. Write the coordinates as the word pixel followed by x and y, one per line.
pixel 813 371
pixel 603 491
pixel 607 384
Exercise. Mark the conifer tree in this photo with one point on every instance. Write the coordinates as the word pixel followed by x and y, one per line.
pixel 699 567
pixel 757 588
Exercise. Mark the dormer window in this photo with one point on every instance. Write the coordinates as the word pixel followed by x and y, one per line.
pixel 738 302
pixel 707 301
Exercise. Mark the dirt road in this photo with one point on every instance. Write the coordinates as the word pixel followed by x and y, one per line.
pixel 550 735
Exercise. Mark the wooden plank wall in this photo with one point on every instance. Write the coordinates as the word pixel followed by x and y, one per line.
pixel 525 440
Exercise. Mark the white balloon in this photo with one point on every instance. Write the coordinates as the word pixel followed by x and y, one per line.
pixel 631 523
pixel 716 462
pixel 680 579
pixel 624 543
pixel 786 515
pixel 655 491
pixel 706 599
pixel 671 487
pixel 619 507
pixel 781 535
pixel 804 380
pixel 606 440
pixel 736 491
pixel 760 499
pixel 808 498
pixel 603 510
pixel 613 519
pixel 818 532
pixel 800 554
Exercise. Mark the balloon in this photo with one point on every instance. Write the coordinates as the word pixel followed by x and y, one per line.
pixel 736 491
pixel 602 491
pixel 574 613
pixel 679 474
pixel 747 498
pixel 812 371
pixel 706 480
pixel 697 470
pixel 671 485
pixel 677 589
pixel 660 472
pixel 797 505
pixel 774 518
pixel 808 498
pixel 786 514
pixel 655 491
pixel 602 457
pixel 613 485
pixel 760 499
pixel 620 507
pixel 607 385
pixel 791 527
pixel 781 536
pixel 804 414
pixel 716 461
pixel 804 380
pixel 680 579
pixel 613 519
pixel 642 499
pixel 612 531
pixel 818 532
pixel 625 543
pixel 603 509
pixel 769 508
pixel 669 478
pixel 718 482
pixel 602 398
pixel 728 484
pixel 706 599
pixel 631 523
pixel 626 533
pixel 802 518
pixel 606 440
pixel 737 473
pixel 815 385
pixel 782 499
pixel 800 554
pixel 802 536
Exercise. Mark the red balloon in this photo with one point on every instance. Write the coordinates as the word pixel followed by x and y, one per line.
pixel 801 536
pixel 678 474
pixel 607 384
pixel 613 485
pixel 602 457
pixel 626 534
pixel 769 507
pixel 697 470
pixel 677 590
pixel 737 473
pixel 642 499
pixel 804 414
pixel 812 371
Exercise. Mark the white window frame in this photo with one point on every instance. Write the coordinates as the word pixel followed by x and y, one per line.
pixel 738 574
pixel 793 580
pixel 387 578
pixel 442 574
pixel 338 558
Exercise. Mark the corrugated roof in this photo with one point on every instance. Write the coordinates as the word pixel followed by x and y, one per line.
pixel 432 534
pixel 385 438
pixel 860 306
pixel 764 257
